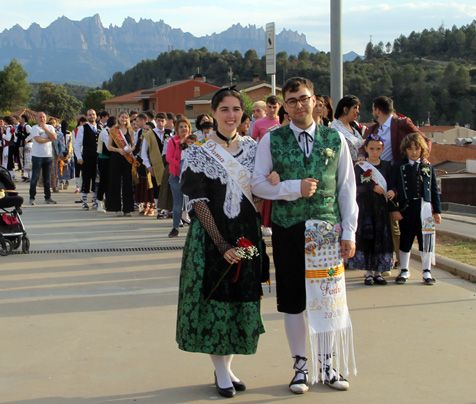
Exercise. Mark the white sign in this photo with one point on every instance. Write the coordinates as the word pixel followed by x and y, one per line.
pixel 270 49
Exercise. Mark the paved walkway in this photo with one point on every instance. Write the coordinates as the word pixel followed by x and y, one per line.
pixel 98 327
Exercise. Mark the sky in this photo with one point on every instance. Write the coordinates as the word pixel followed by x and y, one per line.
pixel 361 19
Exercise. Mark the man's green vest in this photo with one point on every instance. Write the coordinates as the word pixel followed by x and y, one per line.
pixel 290 162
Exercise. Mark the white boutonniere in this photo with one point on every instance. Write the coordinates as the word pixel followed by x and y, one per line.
pixel 328 154
pixel 426 170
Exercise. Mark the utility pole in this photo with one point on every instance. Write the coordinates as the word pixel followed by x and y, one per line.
pixel 337 82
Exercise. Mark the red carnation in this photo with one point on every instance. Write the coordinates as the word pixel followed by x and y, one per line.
pixel 368 173
pixel 244 242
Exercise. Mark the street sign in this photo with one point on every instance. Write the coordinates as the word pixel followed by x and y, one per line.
pixel 270 49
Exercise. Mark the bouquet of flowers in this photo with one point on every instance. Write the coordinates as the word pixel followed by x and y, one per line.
pixel 245 250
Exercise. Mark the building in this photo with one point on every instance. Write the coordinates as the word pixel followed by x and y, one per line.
pixel 126 102
pixel 169 97
pixel 255 90
pixel 446 134
pixel 452 152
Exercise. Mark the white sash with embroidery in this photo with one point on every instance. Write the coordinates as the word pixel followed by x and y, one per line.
pixel 239 174
pixel 428 229
pixel 377 176
pixel 330 327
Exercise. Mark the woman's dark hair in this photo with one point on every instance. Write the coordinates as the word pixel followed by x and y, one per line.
pixel 330 111
pixel 82 119
pixel 111 121
pixel 25 118
pixel 244 117
pixel 198 121
pixel 281 114
pixel 8 120
pixel 226 92
pixel 64 126
pixel 347 101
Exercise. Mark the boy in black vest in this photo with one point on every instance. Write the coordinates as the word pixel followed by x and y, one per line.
pixel 85 149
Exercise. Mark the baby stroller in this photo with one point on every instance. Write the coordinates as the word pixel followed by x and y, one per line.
pixel 12 231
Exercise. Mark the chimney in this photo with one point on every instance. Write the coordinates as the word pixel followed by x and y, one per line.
pixel 199 77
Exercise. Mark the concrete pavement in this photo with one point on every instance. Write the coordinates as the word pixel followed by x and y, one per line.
pixel 98 326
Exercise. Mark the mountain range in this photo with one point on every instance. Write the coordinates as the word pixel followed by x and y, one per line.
pixel 85 52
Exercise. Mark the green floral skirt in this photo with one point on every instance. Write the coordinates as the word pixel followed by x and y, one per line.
pixel 213 327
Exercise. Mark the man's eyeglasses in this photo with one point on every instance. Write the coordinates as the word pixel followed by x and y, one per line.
pixel 292 102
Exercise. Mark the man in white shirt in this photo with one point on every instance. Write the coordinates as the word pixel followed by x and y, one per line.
pixel 306 157
pixel 42 157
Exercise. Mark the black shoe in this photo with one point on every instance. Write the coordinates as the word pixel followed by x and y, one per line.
pixel 429 281
pixel 299 383
pixel 227 392
pixel 400 280
pixel 239 385
pixel 173 233
pixel 50 201
pixel 369 280
pixel 379 280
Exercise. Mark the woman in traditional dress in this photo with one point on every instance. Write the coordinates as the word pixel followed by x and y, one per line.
pixel 375 194
pixel 120 145
pixel 219 302
pixel 347 114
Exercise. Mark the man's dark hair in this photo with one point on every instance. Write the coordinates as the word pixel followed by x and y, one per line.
pixel 133 113
pixel 161 115
pixel 171 115
pixel 150 115
pixel 25 118
pixel 142 116
pixel 384 104
pixel 292 85
pixel 111 121
pixel 104 114
pixel 272 99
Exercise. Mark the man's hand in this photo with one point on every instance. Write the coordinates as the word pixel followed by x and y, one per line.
pixel 347 249
pixel 308 187
pixel 273 178
pixel 390 194
pixel 378 190
pixel 437 218
pixel 151 171
pixel 396 216
pixel 80 162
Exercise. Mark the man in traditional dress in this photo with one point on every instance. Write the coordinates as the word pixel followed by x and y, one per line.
pixel 316 182
pixel 85 150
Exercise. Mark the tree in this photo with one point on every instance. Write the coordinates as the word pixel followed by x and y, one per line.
pixel 55 100
pixel 95 99
pixel 14 88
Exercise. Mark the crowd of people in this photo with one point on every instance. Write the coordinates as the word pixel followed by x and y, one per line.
pixel 333 194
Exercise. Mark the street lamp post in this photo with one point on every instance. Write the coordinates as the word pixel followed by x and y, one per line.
pixel 336 51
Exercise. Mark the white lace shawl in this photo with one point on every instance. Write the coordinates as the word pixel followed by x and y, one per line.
pixel 199 161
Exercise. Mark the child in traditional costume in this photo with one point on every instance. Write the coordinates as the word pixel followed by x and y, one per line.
pixel 375 194
pixel 419 207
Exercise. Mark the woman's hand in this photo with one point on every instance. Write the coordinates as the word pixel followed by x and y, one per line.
pixel 390 195
pixel 379 190
pixel 231 257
